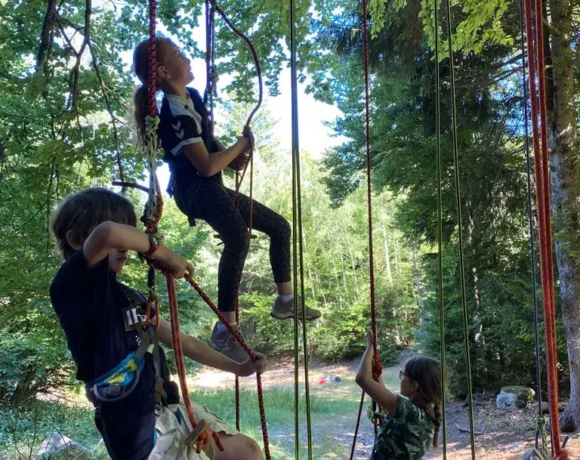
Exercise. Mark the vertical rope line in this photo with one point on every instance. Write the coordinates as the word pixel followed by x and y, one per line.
pixel 360 408
pixel 548 259
pixel 154 198
pixel 303 312
pixel 298 242
pixel 213 77
pixel 377 367
pixel 207 54
pixel 531 224
pixel 376 361
pixel 301 247
pixel 440 222
pixel 177 348
pixel 210 92
pixel 237 383
pixel 295 232
pixel 536 145
pixel 460 233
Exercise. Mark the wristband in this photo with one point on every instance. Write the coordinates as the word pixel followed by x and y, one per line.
pixel 153 246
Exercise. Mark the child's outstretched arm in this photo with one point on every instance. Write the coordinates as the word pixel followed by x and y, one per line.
pixel 209 165
pixel 110 235
pixel 376 390
pixel 202 353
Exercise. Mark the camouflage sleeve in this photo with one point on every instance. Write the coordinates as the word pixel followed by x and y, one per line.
pixel 406 410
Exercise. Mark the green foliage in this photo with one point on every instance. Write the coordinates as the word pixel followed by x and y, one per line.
pixel 63 105
pixel 492 174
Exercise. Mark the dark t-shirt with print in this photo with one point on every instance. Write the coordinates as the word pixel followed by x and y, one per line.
pixel 100 325
pixel 184 121
pixel 407 435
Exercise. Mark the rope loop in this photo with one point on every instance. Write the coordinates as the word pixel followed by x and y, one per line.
pixel 211 83
pixel 154 206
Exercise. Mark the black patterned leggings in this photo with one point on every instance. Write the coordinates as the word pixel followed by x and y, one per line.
pixel 214 203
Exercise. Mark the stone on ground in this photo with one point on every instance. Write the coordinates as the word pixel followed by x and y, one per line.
pixel 514 396
pixel 58 447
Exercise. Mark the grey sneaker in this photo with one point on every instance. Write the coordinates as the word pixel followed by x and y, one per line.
pixel 224 342
pixel 285 310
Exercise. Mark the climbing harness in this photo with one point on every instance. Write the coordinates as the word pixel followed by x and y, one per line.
pixel 121 381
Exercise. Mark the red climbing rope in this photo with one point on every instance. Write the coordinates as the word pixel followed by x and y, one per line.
pixel 152 73
pixel 254 55
pixel 377 366
pixel 210 92
pixel 250 353
pixel 256 108
pixel 537 67
pixel 152 217
pixel 178 352
pixel 154 209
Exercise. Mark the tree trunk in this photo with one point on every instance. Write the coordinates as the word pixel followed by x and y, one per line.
pixel 565 184
pixel 346 293
pixel 337 277
pixel 387 257
pixel 417 281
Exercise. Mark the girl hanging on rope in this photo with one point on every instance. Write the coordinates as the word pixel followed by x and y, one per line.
pixel 412 421
pixel 116 352
pixel 196 159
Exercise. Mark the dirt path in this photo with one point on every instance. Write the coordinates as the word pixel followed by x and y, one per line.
pixel 506 435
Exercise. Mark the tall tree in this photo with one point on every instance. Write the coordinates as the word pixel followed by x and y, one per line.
pixel 479 29
pixel 562 42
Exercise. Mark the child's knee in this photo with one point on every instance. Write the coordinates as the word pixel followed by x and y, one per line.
pixel 238 240
pixel 253 449
pixel 239 447
pixel 283 230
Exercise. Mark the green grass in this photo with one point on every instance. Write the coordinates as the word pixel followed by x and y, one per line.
pixel 333 409
pixel 23 430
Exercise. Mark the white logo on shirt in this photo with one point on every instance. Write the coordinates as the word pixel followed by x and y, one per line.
pixel 132 318
pixel 178 131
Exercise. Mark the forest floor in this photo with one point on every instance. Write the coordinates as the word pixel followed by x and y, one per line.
pixel 504 434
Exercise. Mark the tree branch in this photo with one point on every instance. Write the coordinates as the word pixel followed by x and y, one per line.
pixel 550 27
pixel 74 74
pixel 45 35
pixel 109 109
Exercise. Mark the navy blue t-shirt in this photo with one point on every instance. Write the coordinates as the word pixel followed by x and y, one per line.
pixel 184 121
pixel 100 326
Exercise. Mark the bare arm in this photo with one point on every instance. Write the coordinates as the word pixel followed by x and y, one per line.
pixel 376 390
pixel 110 235
pixel 219 144
pixel 202 353
pixel 234 163
pixel 209 165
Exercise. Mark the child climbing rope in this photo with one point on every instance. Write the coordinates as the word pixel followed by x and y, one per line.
pixel 116 352
pixel 196 159
pixel 413 418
